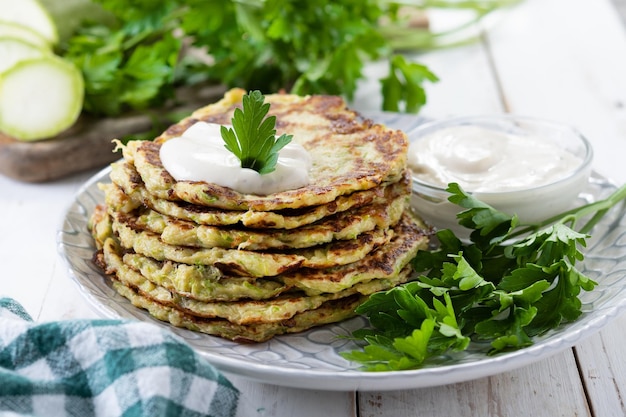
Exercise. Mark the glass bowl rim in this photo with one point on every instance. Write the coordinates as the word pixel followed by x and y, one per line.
pixel 423 187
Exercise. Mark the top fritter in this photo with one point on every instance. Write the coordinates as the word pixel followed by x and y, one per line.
pixel 349 154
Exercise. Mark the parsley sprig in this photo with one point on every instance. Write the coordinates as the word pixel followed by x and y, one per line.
pixel 507 285
pixel 253 136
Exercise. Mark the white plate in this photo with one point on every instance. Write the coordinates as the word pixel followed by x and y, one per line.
pixel 311 359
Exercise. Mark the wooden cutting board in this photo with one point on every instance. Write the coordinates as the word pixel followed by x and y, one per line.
pixel 88 144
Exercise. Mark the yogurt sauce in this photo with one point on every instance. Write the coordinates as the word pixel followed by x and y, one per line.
pixel 485 160
pixel 199 155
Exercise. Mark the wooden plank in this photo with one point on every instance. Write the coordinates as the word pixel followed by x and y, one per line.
pixel 263 400
pixel 601 358
pixel 550 67
pixel 549 388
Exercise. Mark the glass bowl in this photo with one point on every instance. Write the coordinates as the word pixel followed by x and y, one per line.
pixel 537 144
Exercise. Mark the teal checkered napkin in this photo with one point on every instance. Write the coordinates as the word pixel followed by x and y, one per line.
pixel 104 368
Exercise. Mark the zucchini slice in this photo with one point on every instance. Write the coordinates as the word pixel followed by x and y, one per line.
pixel 40 97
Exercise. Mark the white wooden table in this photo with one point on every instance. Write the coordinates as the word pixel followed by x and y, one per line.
pixel 556 59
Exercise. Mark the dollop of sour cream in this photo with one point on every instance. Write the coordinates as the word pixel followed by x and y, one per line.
pixel 199 155
pixel 485 160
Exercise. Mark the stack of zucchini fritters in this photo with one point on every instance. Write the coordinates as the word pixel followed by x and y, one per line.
pixel 248 267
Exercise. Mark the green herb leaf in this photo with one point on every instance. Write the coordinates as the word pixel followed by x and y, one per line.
pixel 253 136
pixel 508 284
pixel 124 69
pixel 318 47
pixel 404 85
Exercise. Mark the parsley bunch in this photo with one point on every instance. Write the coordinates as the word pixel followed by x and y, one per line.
pixel 507 285
pixel 137 54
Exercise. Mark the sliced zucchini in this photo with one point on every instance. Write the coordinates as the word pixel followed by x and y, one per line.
pixel 32 14
pixel 13 50
pixel 17 31
pixel 40 97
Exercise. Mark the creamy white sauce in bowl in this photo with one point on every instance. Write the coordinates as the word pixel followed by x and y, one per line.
pixel 519 165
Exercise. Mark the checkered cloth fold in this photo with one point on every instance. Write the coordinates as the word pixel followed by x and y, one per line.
pixel 103 368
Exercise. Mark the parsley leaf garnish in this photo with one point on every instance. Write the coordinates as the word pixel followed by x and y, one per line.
pixel 508 284
pixel 253 136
